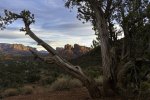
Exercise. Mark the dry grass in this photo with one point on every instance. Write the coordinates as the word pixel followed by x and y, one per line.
pixel 17 91
pixel 75 83
pixel 99 80
pixel 73 94
pixel 65 83
pixel 10 92
pixel 26 90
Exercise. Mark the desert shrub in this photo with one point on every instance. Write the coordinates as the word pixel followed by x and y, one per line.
pixel 48 76
pixel 94 72
pixel 60 84
pixel 32 72
pixel 99 80
pixel 47 80
pixel 144 95
pixel 17 91
pixel 145 86
pixel 10 92
pixel 26 90
pixel 65 83
pixel 75 83
pixel 32 77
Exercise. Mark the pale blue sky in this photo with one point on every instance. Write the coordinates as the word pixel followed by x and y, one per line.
pixel 54 23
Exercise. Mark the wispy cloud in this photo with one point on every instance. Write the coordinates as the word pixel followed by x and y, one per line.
pixel 7 34
pixel 54 23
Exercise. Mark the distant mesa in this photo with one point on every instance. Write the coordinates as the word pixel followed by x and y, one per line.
pixel 68 51
pixel 15 49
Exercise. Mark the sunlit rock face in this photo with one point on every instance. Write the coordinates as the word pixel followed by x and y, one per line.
pixel 80 50
pixel 15 49
pixel 71 52
pixel 20 47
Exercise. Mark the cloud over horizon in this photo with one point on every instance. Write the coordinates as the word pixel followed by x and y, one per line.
pixel 54 23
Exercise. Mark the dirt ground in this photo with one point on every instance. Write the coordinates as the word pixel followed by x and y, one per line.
pixel 73 94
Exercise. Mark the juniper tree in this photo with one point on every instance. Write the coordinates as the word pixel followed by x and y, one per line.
pixel 103 15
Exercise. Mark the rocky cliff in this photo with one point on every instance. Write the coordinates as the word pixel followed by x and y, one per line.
pixel 71 52
pixel 68 52
pixel 15 49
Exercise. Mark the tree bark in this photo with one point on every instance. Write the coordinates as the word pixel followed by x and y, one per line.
pixel 108 72
pixel 107 62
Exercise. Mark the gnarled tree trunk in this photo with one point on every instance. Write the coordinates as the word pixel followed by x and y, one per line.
pixel 107 62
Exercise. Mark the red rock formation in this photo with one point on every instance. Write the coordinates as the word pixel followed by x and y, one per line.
pixel 15 49
pixel 69 52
